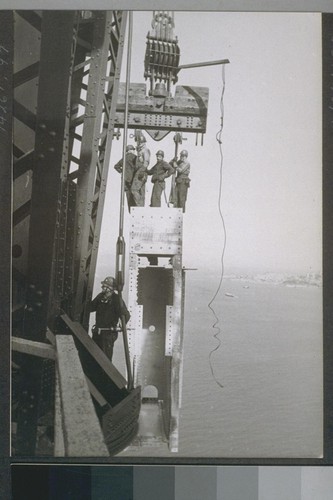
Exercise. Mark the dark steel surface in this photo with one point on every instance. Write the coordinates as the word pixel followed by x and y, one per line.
pixel 56 39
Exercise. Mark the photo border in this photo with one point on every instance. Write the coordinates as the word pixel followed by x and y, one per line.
pixel 326 9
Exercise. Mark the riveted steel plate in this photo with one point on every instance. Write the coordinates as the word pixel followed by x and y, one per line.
pixel 156 231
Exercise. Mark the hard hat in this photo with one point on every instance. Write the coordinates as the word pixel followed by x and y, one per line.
pixel 109 282
pixel 184 153
pixel 129 148
pixel 160 153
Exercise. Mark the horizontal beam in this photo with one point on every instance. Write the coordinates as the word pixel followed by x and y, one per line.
pixel 33 348
pixel 144 120
pixel 203 64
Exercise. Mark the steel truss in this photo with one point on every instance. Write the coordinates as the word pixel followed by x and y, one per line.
pixel 66 78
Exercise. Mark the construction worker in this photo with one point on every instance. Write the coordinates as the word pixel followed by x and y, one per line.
pixel 138 188
pixel 182 167
pixel 109 309
pixel 160 171
pixel 130 167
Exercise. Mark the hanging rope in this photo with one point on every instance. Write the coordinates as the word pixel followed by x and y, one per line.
pixel 210 304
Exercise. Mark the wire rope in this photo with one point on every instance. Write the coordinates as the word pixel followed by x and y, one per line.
pixel 215 325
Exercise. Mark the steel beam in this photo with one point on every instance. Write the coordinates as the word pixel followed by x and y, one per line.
pixel 156 303
pixel 55 58
pixel 186 111
pixel 105 65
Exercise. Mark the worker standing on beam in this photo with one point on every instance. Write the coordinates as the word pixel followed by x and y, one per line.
pixel 130 169
pixel 183 168
pixel 159 172
pixel 139 181
pixel 109 308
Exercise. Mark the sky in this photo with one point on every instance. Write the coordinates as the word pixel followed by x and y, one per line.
pixel 271 167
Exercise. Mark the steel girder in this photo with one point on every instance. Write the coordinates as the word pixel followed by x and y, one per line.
pixel 103 75
pixel 47 122
pixel 66 74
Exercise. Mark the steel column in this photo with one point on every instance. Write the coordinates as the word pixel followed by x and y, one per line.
pixel 57 32
pixel 97 135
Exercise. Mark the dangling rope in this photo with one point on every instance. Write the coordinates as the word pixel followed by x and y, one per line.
pixel 210 304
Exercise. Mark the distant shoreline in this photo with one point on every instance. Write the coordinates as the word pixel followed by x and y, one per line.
pixel 310 279
pixel 286 279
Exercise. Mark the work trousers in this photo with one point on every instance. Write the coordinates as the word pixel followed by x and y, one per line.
pixel 105 341
pixel 138 189
pixel 181 195
pixel 157 193
pixel 130 201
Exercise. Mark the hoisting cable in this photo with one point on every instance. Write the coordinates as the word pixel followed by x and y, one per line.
pixel 210 304
pixel 120 251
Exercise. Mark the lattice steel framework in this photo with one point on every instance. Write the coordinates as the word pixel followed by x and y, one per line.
pixel 66 78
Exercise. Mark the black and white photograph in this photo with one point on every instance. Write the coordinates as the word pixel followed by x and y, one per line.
pixel 167 296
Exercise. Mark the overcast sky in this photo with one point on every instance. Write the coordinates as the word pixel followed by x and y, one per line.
pixel 271 174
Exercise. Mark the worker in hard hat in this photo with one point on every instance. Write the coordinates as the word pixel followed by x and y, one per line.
pixel 159 172
pixel 130 168
pixel 182 167
pixel 138 188
pixel 109 308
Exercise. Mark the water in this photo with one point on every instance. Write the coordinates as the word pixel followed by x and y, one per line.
pixel 269 364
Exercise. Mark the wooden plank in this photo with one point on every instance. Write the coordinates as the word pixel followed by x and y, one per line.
pixel 83 436
pixel 95 352
pixel 96 394
pixel 33 348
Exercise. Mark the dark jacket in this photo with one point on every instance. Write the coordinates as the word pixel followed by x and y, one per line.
pixel 109 312
pixel 160 171
pixel 130 167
